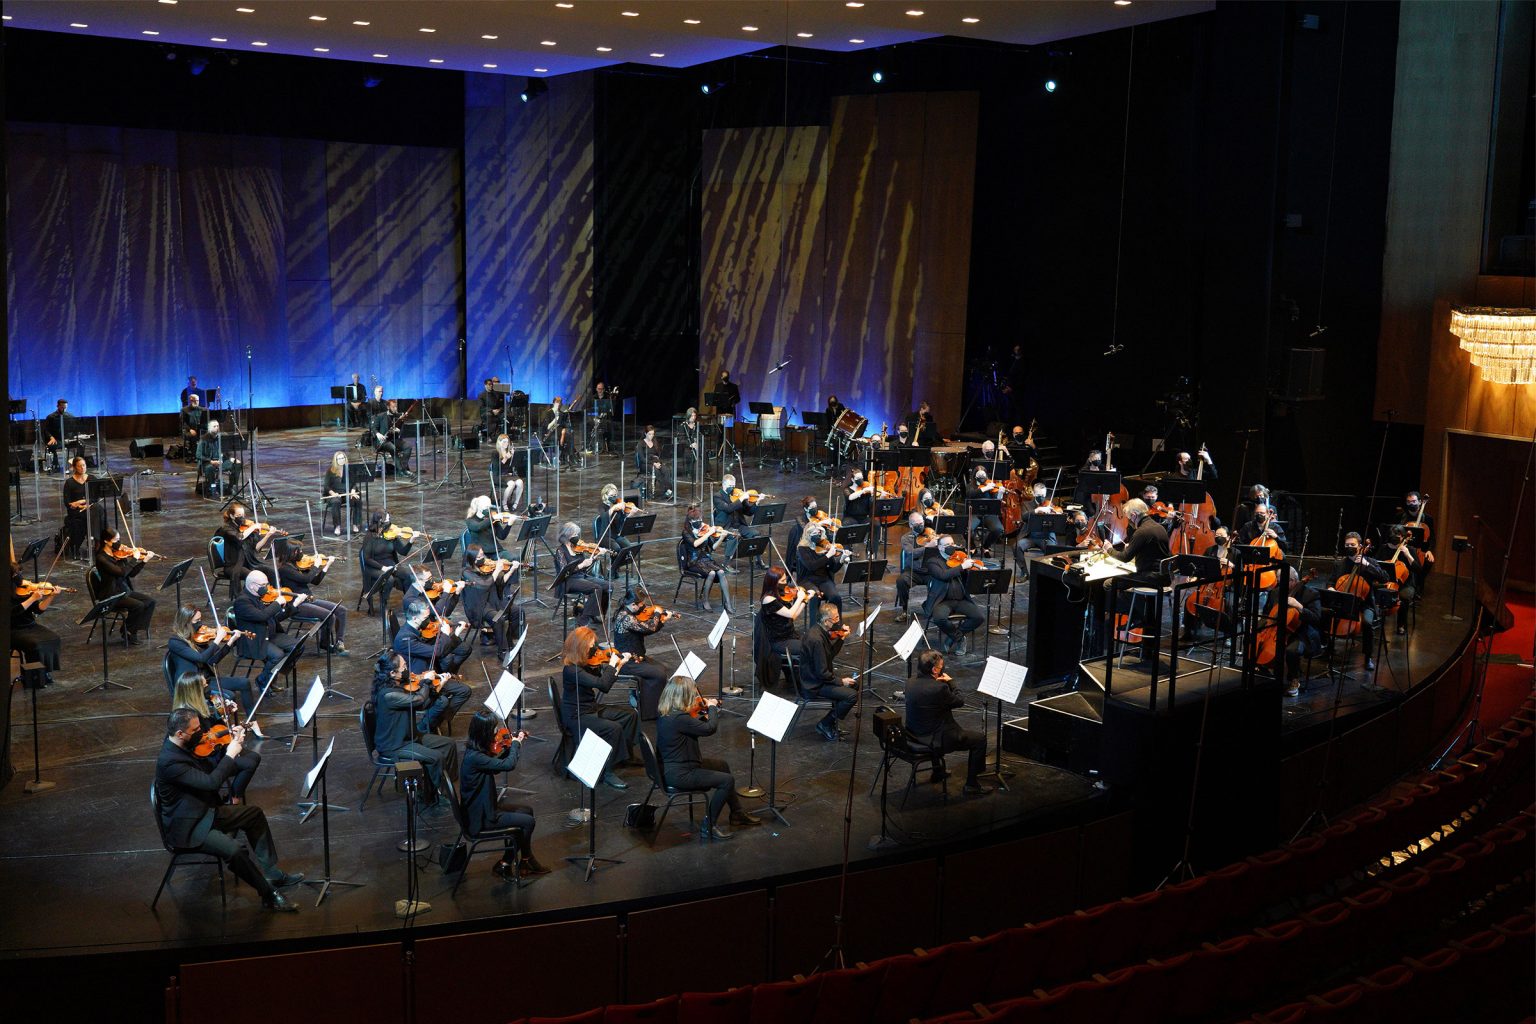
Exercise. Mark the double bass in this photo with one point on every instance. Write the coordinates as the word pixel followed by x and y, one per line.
pixel 1196 532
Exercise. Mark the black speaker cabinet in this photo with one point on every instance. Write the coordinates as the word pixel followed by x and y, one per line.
pixel 146 448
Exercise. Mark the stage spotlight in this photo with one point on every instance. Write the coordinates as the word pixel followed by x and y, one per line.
pixel 372 82
pixel 1050 85
pixel 877 77
pixel 533 88
pixel 197 65
pixel 710 88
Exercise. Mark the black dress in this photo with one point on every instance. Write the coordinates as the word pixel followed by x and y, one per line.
pixel 37 643
pixel 75 520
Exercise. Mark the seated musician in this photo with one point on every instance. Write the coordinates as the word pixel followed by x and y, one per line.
pixel 337 497
pixel 421 586
pixel 485 807
pixel 647 465
pixel 818 676
pixel 291 573
pixel 1021 449
pixel 443 649
pixel 357 402
pixel 490 598
pixel 609 524
pixel 821 563
pixel 481 529
pixel 1185 466
pixel 194 421
pixel 376 405
pixel 697 543
pixel 190 691
pixel 809 513
pixel 389 442
pixel 777 613
pixel 193 818
pixel 252 543
pixel 187 655
pixel 77 509
pixel 1258 495
pixel 59 428
pixel 1147 544
pixel 219 471
pixel 729 394
pixel 492 404
pixel 381 553
pixel 118 567
pixel 683 718
pixel 403 727
pixel 630 628
pixel 947 596
pixel 732 512
pixel 903 435
pixel 928 505
pixel 506 481
pixel 265 620
pixel 1304 641
pixel 1082 494
pixel 583 677
pixel 1421 536
pixel 931 699
pixel 915 544
pixel 860 501
pixel 1397 546
pixel 35 642
pixel 582 579
pixel 1263 525
pixel 989 528
pixel 1357 562
pixel 920 426
pixel 1040 504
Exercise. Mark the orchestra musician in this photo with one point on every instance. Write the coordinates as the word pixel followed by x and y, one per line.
pixel 557 432
pixel 245 543
pixel 728 393
pixel 187 655
pixel 915 545
pixel 214 465
pixel 492 405
pixel 490 598
pixel 194 421
pixel 988 529
pixel 777 613
pixel 77 509
pixel 421 581
pixel 387 439
pixel 189 391
pixel 264 619
pixel 1039 503
pixel 117 568
pixel 903 435
pixel 505 479
pixel 609 524
pixel 821 563
pixel 732 513
pixel 1304 640
pixel 381 553
pixel 1082 494
pixel 1184 465
pixel 583 677
pixel 693 442
pixel 302 580
pixel 947 596
pixel 835 410
pixel 357 402
pixel 921 428
pixel 1263 524
pixel 636 620
pixel 1257 495
pixel 377 404
pixel 1021 447
pixel 931 699
pixel 444 652
pixel 485 807
pixel 683 717
pixel 602 417
pixel 696 545
pixel 481 529
pixel 403 728
pixel 582 579
pixel 1147 545
pixel 189 691
pixel 193 818
pixel 647 465
pixel 796 538
pixel 59 427
pixel 36 643
pixel 1421 535
pixel 337 498
pixel 859 503
pixel 1397 546
pixel 1356 561
pixel 818 675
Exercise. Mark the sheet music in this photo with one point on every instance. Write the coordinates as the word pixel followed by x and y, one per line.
pixel 719 630
pixel 691 667
pixel 512 654
pixel 591 755
pixel 311 703
pixel 869 620
pixel 314 773
pixel 910 639
pixel 1002 679
pixel 773 716
pixel 504 696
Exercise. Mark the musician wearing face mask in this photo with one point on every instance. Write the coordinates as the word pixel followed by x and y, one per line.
pixel 443 649
pixel 1186 467
pixel 1357 562
pixel 1263 525
pixel 1304 641
pixel 728 393
pixel 265 620
pixel 860 501
pixel 1040 504
pixel 337 497
pixel 586 674
pixel 818 675
pixel 490 598
pixel 947 596
pixel 603 407
pixel 302 580
pixel 1021 449
pixel 388 440
pixel 931 700
pixel 821 563
pixel 609 524
pixel 732 512
pixel 583 580
pixel 1082 494
pixel 915 545
pixel 692 443
pixel 648 465
pixel 194 420
pixel 214 463
pixel 506 481
pixel 492 405
pixel 480 529
pixel 1395 548
pixel 835 410
pixel 638 619
pixel 407 711
pixel 558 436
pixel 696 544
pixel 1421 535
pixel 989 528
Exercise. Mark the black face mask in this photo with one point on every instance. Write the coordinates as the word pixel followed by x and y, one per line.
pixel 195 737
pixel 927 501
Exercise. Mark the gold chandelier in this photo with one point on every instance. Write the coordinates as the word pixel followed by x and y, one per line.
pixel 1501 342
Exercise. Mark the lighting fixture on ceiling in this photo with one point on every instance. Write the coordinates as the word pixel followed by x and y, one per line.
pixel 1501 342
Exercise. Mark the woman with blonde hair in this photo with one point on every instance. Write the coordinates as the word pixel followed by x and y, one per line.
pixel 337 498
pixel 682 717
pixel 505 479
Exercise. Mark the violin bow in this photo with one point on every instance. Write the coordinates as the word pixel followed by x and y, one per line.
pixel 310 515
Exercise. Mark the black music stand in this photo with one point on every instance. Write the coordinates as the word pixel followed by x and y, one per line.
pixel 442 550
pixel 881 510
pixel 174 578
pixel 534 528
pixel 766 517
pixel 751 548
pixel 633 526
pixel 33 552
pixel 865 572
pixel 1343 607
pixel 380 589
pixel 358 474
pixel 103 488
pixel 949 525
pixel 1048 524
pixel 718 401
pixel 339 394
pixel 848 536
pixel 318 774
pixel 990 582
pixel 95 615
pixel 233 444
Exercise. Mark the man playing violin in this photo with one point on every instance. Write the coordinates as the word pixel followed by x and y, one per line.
pixel 431 643
pixel 581 579
pixel 946 565
pixel 220 471
pixel 262 610
pixel 931 700
pixel 820 648
pixel 638 619
pixel 406 710
pixel 116 566
pixel 684 719
pixel 986 529
pixel 731 511
pixel 490 598
pixel 388 441
pixel 915 545
pixel 187 799
pixel 301 574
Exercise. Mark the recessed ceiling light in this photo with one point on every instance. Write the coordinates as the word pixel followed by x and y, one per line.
pixel 630 14
pixel 78 24
pixel 365 24
pixel 217 39
pixel 804 35
pixel 970 21
pixel 692 21
pixel 322 49
pixel 168 1
pixel 381 56
pixel 487 65
pixel 5 17
pixel 245 10
pixel 434 60
pixel 605 49
pixel 853 3
pixel 914 14
pixel 542 70
pixel 489 37
pixel 749 28
pixel 257 42
pixel 546 42
pixel 855 42
pixel 658 55
pixel 426 30
pixel 1122 3
pixel 150 32
pixel 317 17
pixel 567 6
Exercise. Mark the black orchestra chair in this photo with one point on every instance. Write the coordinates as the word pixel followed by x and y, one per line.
pixel 899 744
pixel 365 589
pixel 244 647
pixel 116 616
pixel 790 667
pixel 165 670
pixel 683 576
pixel 180 855
pixel 567 745
pixel 218 563
pixel 656 772
pixel 509 839
pixel 383 764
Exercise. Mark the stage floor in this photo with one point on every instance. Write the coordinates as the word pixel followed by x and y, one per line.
pixel 81 861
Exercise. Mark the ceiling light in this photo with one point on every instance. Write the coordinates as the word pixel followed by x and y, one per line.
pixel 970 21
pixel 490 37
pixel 434 60
pixel 322 49
pixel 168 1
pixel 749 28
pixel 487 65
pixel 245 10
pixel 855 42
pixel 914 14
pixel 78 24
pixel 1122 3
pixel 365 24
pixel 692 21
pixel 803 35
pixel 5 17
pixel 217 39
pixel 150 32
pixel 257 42
pixel 542 70
pixel 426 30
pixel 852 3
pixel 658 55
pixel 605 49
pixel 877 76
pixel 1050 85
pixel 546 42
pixel 381 56
pixel 566 6
pixel 317 17
pixel 630 14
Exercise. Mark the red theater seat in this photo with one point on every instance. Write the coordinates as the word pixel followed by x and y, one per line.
pixel 733 1007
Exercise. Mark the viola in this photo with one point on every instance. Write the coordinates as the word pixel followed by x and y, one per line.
pixel 651 611
pixel 738 494
pixel 602 652
pixel 393 532
pixel 790 594
pixel 504 518
pixel 491 566
pixel 821 518
pixel 214 737
pixel 1163 510
pixel 840 631
pixel 125 552
pixel 699 708
pixel 26 588
pixel 990 487
pixel 281 595
pixel 437 588
pixel 960 560
pixel 267 530
pixel 414 680
pixel 583 548
pixel 626 508
pixel 429 629
pixel 826 547
pixel 207 634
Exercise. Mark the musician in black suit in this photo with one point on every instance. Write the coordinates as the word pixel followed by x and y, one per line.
pixel 388 440
pixel 492 403
pixel 947 596
pixel 931 699
pixel 193 819
pixel 194 420
pixel 58 427
pixel 557 430
pixel 265 619
pixel 186 655
pixel 357 402
pixel 214 463
pixel 819 649
pixel 732 513
pixel 692 441
pixel 1147 546
pixel 443 653
pixel 190 390
pixel 402 729
pixel 480 784
pixel 728 393
pixel 684 718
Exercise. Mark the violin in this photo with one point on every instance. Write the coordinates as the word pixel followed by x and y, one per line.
pixel 820 518
pixel 280 595
pixel 700 708
pixel 435 589
pixel 583 548
pixel 214 737
pixel 504 518
pixel 393 532
pixel 651 611
pixel 990 487
pixel 267 530
pixel 429 629
pixel 502 741
pixel 124 551
pixel 603 652
pixel 826 547
pixel 706 531
pixel 415 680
pixel 1163 510
pixel 207 634
pixel 840 631
pixel 26 588
pixel 491 566
pixel 738 494
pixel 789 594
pixel 960 560
pixel 626 508
pixel 309 561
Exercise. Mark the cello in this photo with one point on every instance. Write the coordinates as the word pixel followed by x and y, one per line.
pixel 1266 639
pixel 1196 532
pixel 1268 577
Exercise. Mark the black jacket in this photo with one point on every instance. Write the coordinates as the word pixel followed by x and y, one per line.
pixel 677 739
pixel 477 785
pixel 948 580
pixel 188 657
pixel 579 687
pixel 1147 545
pixel 396 710
pixel 817 654
pixel 930 707
pixel 188 793
pixel 732 515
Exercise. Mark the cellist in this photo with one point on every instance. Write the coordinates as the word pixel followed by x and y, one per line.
pixel 1421 534
pixel 1356 564
pixel 1304 640
pixel 1397 547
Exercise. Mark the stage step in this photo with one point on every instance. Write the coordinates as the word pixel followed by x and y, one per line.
pixel 1062 730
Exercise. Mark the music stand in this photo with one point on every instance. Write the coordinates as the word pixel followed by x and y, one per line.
pixel 96 614
pixel 848 536
pixel 771 719
pixel 380 589
pixel 102 488
pixel 174 577
pixel 586 766
pixel 533 529
pixel 1343 607
pixel 1002 681
pixel 308 716
pixel 318 774
pixel 1096 481
pixel 33 552
pixel 442 550
pixel 865 572
pixel 750 548
pixel 989 582
pixel 358 473
pixel 949 524
pixel 339 394
pixel 1048 524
